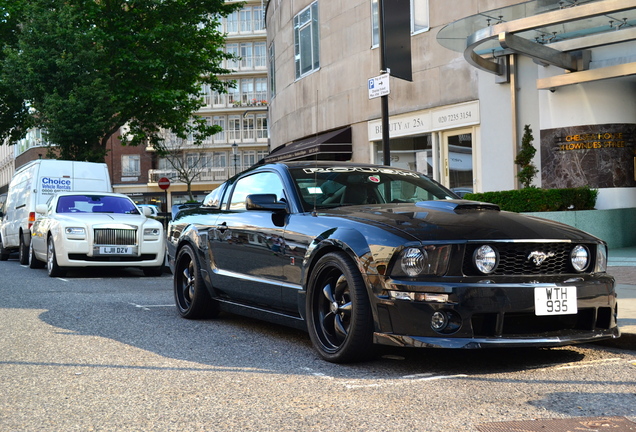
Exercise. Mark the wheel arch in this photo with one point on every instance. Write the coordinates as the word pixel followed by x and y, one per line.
pixel 355 245
pixel 192 237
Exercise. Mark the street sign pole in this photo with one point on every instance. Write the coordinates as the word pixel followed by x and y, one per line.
pixel 386 149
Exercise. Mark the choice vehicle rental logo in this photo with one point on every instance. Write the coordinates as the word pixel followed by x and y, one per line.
pixel 51 185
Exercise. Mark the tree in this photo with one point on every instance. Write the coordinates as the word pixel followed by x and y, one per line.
pixel 81 69
pixel 527 169
pixel 188 166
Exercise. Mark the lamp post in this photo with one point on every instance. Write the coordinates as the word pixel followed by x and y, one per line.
pixel 235 155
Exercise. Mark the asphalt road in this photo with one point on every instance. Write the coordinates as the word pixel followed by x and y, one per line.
pixel 104 350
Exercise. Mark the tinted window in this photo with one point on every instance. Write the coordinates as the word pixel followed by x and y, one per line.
pixel 338 186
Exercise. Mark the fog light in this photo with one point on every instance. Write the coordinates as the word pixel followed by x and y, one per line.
pixel 439 321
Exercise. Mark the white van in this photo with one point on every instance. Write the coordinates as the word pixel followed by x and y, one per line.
pixel 34 183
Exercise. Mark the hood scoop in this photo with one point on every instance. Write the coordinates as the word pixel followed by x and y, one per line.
pixel 458 206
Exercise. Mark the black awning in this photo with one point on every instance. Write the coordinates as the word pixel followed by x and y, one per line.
pixel 334 145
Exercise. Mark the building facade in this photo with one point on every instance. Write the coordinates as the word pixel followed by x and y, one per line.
pixel 461 118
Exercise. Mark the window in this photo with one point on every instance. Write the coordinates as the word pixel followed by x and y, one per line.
pixel 261 126
pixel 272 72
pixel 247 91
pixel 260 89
pixel 233 48
pixel 206 95
pixel 419 19
pixel 259 18
pixel 260 55
pixel 248 128
pixel 219 136
pixel 234 128
pixel 231 23
pixel 306 41
pixel 246 20
pixel 247 56
pixel 259 183
pixel 233 95
pixel 131 165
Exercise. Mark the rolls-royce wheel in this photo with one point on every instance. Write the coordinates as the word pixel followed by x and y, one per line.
pixel 53 269
pixel 34 263
pixel 339 316
pixel 190 293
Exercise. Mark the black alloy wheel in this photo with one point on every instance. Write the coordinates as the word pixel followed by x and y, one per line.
pixel 190 293
pixel 339 316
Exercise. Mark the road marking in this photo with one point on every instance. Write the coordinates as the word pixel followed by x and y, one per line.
pixel 147 307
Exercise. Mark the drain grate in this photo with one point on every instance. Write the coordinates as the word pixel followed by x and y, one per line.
pixel 576 424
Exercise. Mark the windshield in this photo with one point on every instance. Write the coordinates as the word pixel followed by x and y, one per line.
pixel 95 204
pixel 324 187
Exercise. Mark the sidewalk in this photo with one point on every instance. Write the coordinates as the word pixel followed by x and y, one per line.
pixel 622 265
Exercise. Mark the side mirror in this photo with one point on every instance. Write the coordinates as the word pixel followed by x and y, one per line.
pixel 266 202
pixel 41 209
pixel 146 211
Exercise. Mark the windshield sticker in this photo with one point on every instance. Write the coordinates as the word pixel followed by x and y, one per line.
pixel 374 179
pixel 369 170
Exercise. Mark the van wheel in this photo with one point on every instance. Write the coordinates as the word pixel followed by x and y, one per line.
pixel 4 254
pixel 51 262
pixel 24 251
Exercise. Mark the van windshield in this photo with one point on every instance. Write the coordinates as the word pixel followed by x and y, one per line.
pixel 95 204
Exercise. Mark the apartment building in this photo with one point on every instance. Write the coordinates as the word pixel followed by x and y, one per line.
pixel 481 71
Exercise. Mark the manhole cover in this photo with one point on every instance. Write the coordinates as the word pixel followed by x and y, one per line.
pixel 577 424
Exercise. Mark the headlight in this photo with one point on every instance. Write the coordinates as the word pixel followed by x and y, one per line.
pixel 426 260
pixel 580 257
pixel 486 259
pixel 601 259
pixel 152 233
pixel 75 232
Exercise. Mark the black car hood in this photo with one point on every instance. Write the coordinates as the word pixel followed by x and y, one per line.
pixel 459 220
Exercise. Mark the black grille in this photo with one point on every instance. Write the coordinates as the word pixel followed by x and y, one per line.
pixel 515 259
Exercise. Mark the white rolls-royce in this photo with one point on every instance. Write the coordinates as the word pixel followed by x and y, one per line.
pixel 95 229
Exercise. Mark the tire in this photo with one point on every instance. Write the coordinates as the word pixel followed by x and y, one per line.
pixel 339 318
pixel 190 293
pixel 51 261
pixel 34 263
pixel 153 271
pixel 4 254
pixel 23 251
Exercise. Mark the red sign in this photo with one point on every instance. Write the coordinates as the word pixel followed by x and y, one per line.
pixel 164 183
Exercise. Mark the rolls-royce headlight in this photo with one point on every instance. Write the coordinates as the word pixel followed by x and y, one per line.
pixel 580 257
pixel 152 233
pixel 601 259
pixel 486 259
pixel 75 232
pixel 425 260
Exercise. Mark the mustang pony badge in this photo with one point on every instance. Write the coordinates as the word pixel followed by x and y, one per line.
pixel 539 257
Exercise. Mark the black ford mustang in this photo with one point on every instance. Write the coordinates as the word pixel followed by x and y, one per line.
pixel 363 254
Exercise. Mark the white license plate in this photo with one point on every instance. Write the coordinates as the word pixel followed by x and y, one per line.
pixel 555 301
pixel 115 250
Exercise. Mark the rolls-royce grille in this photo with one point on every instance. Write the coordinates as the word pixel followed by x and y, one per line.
pixel 516 259
pixel 115 236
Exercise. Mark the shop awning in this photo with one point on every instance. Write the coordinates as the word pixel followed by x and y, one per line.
pixel 334 145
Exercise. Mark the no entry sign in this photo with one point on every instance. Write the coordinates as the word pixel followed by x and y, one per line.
pixel 164 183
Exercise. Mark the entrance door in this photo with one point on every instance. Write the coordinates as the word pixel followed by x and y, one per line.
pixel 457 160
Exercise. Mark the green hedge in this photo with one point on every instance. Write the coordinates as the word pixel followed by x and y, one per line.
pixel 539 200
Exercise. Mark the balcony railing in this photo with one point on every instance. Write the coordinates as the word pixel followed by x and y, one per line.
pixel 211 175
